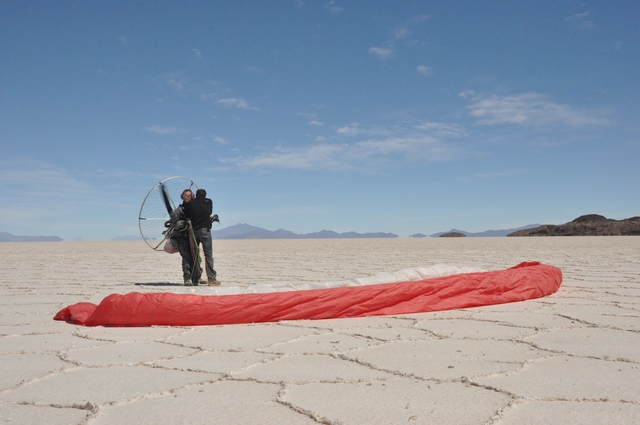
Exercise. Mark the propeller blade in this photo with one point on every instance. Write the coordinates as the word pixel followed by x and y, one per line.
pixel 165 198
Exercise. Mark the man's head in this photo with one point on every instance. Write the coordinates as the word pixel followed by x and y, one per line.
pixel 201 193
pixel 187 195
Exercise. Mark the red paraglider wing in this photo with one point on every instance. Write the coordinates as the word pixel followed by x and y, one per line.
pixel 522 282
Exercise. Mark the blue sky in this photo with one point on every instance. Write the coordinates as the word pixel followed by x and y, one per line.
pixel 393 116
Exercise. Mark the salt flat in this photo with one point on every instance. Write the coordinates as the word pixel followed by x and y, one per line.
pixel 571 358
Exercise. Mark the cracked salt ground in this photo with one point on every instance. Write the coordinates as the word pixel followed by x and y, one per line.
pixel 397 401
pixel 568 358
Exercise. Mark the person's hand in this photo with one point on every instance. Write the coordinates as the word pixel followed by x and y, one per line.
pixel 215 218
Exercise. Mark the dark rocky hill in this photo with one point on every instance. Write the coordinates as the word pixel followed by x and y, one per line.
pixel 453 235
pixel 587 225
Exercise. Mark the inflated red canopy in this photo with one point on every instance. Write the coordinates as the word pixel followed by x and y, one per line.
pixel 522 282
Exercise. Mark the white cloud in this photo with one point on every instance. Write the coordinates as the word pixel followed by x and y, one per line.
pixel 422 145
pixel 355 129
pixel 424 70
pixel 466 93
pixel 530 109
pixel 314 122
pixel 197 54
pixel 405 31
pixel 419 19
pixel 39 192
pixel 401 33
pixel 381 52
pixel 32 173
pixel 350 130
pixel 581 21
pixel 346 156
pixel 238 103
pixel 586 25
pixel 334 7
pixel 220 140
pixel 178 83
pixel 165 129
pixel 418 142
pixel 316 156
pixel 442 130
pixel 233 102
pixel 577 16
pixel 402 38
pixel 123 40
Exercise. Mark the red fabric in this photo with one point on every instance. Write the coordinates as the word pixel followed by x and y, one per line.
pixel 76 313
pixel 522 282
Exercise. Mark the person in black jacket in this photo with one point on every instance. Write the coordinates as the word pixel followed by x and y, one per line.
pixel 190 270
pixel 199 211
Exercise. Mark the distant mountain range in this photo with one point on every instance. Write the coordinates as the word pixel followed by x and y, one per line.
pixel 487 233
pixel 246 231
pixel 127 238
pixel 8 237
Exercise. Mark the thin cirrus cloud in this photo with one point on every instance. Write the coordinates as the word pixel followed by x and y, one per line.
pixel 176 82
pixel 577 16
pixel 401 37
pixel 527 109
pixel 420 142
pixel 401 33
pixel 381 52
pixel 165 129
pixel 424 70
pixel 352 129
pixel 323 155
pixel 412 146
pixel 38 177
pixel 334 7
pixel 356 129
pixel 581 20
pixel 51 190
pixel 442 130
pixel 234 102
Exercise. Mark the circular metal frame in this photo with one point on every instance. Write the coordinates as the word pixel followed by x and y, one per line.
pixel 156 208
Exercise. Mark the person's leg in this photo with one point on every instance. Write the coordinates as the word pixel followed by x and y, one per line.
pixel 185 253
pixel 196 270
pixel 207 247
